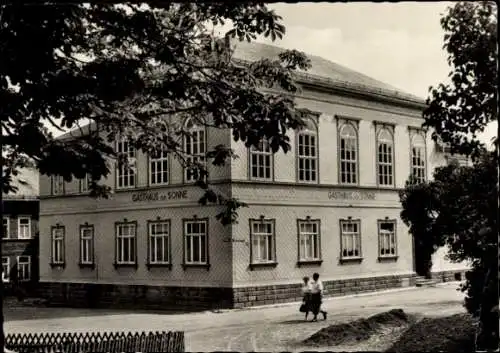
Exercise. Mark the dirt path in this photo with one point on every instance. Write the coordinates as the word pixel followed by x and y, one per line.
pixel 262 329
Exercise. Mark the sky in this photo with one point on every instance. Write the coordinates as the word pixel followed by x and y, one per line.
pixel 397 43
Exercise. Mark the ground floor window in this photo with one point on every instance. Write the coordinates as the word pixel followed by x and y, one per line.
pixel 350 238
pixel 196 242
pixel 23 268
pixel 159 242
pixel 262 240
pixel 387 238
pixel 86 245
pixel 5 268
pixel 57 248
pixel 126 243
pixel 309 240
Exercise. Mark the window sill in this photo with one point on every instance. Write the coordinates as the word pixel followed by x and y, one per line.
pixel 186 266
pixel 18 239
pixel 91 266
pixel 117 265
pixel 262 265
pixel 153 265
pixel 309 263
pixel 58 265
pixel 392 258
pixel 350 260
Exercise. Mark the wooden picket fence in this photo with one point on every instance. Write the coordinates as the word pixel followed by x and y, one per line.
pixel 96 342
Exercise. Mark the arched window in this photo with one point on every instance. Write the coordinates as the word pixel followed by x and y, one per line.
pixel 126 172
pixel 385 150
pixel 348 154
pixel 261 161
pixel 418 157
pixel 195 149
pixel 307 152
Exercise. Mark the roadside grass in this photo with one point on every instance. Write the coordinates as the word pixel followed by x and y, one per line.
pixel 395 331
pixel 446 334
pixel 354 332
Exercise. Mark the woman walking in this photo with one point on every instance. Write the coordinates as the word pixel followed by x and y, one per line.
pixel 317 297
pixel 306 296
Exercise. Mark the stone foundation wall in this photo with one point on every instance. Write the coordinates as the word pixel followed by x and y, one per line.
pixel 135 296
pixel 263 295
pixel 449 276
pixel 199 298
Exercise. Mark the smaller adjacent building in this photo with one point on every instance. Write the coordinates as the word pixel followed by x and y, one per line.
pixel 20 213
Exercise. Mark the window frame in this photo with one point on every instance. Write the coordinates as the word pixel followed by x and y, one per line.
pixel 413 132
pixel 61 263
pixel 90 263
pixel 197 127
pixel 381 256
pixel 315 133
pixel 6 218
pixel 84 182
pixel 53 180
pixel 132 166
pixel 302 260
pixel 186 264
pixel 271 263
pixel 253 151
pixel 150 263
pixel 19 218
pixel 151 160
pixel 18 267
pixel 6 274
pixel 354 124
pixel 134 263
pixel 343 258
pixel 381 127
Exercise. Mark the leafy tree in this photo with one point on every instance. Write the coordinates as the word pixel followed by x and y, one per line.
pixel 460 110
pixel 419 202
pixel 137 71
pixel 459 208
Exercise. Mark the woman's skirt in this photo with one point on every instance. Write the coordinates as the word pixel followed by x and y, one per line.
pixel 315 303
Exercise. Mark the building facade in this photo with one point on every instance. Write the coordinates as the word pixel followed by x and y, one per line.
pixel 20 213
pixel 330 205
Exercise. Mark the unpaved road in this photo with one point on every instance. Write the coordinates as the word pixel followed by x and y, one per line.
pixel 259 329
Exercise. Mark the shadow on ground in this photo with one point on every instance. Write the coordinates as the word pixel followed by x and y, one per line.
pixel 14 310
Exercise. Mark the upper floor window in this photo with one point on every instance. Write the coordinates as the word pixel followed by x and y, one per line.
pixel 126 173
pixel 309 240
pixel 350 239
pixel 126 243
pixel 418 157
pixel 84 184
pixel 307 152
pixel 262 241
pixel 24 228
pixel 195 149
pixel 348 146
pixel 23 268
pixel 158 168
pixel 6 227
pixel 86 245
pixel 56 185
pixel 57 248
pixel 261 161
pixel 385 157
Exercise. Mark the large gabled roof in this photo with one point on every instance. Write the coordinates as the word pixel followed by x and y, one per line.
pixel 325 72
